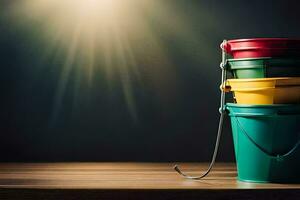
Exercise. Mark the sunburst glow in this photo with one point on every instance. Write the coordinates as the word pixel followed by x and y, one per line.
pixel 107 35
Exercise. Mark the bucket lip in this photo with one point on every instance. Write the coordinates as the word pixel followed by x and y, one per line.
pixel 264 39
pixel 262 105
pixel 264 59
pixel 264 79
pixel 259 45
pixel 263 62
pixel 249 59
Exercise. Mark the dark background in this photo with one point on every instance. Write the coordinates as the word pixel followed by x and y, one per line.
pixel 173 117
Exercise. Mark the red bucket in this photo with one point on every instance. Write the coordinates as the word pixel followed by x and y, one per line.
pixel 262 47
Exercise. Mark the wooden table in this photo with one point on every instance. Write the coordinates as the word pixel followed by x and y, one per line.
pixel 130 181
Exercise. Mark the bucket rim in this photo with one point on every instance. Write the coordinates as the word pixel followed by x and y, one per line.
pixel 249 59
pixel 263 59
pixel 262 105
pixel 264 79
pixel 264 39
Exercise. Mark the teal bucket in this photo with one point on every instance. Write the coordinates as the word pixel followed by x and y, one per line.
pixel 266 142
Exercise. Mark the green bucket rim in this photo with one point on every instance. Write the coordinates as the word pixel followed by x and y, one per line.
pixel 245 63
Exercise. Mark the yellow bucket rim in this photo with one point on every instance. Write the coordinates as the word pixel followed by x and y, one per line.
pixel 265 79
pixel 233 84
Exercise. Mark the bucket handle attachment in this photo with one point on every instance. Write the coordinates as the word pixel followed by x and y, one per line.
pixel 278 157
pixel 223 66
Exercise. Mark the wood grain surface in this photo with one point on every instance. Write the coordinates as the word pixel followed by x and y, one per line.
pixel 21 178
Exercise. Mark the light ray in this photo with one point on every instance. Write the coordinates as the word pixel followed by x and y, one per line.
pixel 115 37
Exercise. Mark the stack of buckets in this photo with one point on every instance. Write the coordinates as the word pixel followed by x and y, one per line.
pixel 265 113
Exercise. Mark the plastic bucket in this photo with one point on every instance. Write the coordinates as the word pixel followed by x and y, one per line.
pixel 263 47
pixel 266 142
pixel 264 90
pixel 264 67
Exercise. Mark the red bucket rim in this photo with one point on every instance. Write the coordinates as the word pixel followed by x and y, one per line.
pixel 263 39
pixel 261 44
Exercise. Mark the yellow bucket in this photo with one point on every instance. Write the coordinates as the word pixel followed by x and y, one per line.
pixel 264 90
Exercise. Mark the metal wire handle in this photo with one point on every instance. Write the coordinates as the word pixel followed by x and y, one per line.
pixel 277 156
pixel 221 120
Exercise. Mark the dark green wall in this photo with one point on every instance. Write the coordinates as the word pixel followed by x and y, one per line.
pixel 171 113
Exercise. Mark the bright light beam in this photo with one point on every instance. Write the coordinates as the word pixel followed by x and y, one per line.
pixel 114 35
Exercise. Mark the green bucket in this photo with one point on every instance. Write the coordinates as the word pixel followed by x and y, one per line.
pixel 264 67
pixel 266 142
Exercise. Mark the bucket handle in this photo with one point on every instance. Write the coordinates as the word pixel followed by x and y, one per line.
pixel 279 157
pixel 223 66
